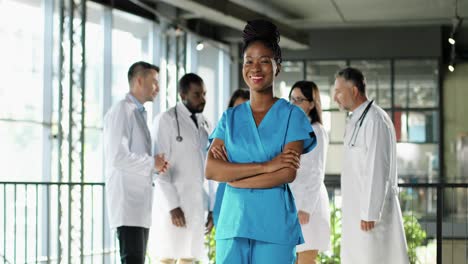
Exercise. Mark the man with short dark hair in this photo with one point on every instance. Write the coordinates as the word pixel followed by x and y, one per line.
pixel 372 225
pixel 129 165
pixel 182 134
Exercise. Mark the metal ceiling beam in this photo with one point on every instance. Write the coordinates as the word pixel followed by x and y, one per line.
pixel 235 16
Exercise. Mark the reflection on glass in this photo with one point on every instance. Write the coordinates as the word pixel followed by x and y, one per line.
pixel 378 79
pixel 323 74
pixel 207 69
pixel 291 72
pixel 94 65
pixel 335 125
pixel 422 126
pixel 21 145
pixel 171 69
pixel 456 208
pixel 416 83
pixel 418 162
pixel 93 170
pixel 21 64
pixel 334 159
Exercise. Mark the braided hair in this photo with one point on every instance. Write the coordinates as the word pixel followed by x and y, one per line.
pixel 265 32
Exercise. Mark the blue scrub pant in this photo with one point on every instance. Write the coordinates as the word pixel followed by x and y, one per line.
pixel 240 250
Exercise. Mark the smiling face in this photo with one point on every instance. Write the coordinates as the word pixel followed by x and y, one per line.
pixel 259 67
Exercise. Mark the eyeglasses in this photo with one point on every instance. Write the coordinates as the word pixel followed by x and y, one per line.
pixel 297 100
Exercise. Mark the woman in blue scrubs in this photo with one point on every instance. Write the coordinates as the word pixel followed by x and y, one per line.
pixel 261 142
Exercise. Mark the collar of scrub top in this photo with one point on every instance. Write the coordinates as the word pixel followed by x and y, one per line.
pixel 359 114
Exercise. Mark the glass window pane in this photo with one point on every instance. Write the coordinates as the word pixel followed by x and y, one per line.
pixel 455 218
pixel 420 126
pixel 334 159
pixel 22 38
pixel 418 162
pixel 93 170
pixel 416 83
pixel 21 142
pixel 94 65
pixel 378 80
pixel 323 74
pixel 334 123
pixel 174 59
pixel 291 72
pixel 130 43
pixel 208 69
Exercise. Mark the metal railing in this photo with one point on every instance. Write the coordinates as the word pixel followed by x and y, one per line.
pixel 39 225
pixel 35 225
pixel 435 219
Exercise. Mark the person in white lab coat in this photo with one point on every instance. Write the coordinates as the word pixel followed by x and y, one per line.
pixel 182 201
pixel 129 166
pixel 372 225
pixel 308 189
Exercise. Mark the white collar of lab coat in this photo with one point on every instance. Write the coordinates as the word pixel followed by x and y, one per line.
pixel 184 110
pixel 359 110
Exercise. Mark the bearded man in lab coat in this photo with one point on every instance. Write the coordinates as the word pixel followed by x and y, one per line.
pixel 181 133
pixel 372 225
pixel 129 164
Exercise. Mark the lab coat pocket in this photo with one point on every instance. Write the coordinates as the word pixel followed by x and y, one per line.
pixel 136 189
pixel 356 163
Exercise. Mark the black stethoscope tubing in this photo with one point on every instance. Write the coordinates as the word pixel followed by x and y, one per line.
pixel 360 120
pixel 179 138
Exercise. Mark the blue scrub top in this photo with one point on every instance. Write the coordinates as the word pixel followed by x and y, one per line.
pixel 268 215
pixel 218 202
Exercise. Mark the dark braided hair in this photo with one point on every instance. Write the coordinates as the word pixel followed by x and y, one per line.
pixel 265 32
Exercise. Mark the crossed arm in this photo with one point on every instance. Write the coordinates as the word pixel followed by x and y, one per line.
pixel 281 169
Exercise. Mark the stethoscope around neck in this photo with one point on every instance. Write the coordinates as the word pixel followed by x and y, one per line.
pixel 179 138
pixel 357 126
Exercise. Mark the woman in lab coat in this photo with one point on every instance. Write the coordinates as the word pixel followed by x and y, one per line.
pixel 308 188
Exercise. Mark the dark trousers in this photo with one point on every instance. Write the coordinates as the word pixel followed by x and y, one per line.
pixel 133 241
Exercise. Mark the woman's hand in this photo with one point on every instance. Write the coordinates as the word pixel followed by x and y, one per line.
pixel 288 159
pixel 303 217
pixel 219 152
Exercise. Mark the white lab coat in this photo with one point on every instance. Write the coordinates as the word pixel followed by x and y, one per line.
pixel 311 195
pixel 129 166
pixel 369 189
pixel 183 185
